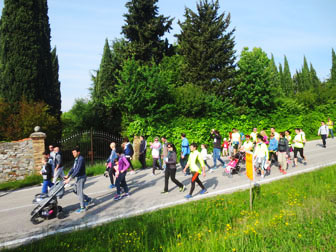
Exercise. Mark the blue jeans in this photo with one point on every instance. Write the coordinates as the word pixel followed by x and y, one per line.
pixel 46 184
pixel 216 156
pixel 331 132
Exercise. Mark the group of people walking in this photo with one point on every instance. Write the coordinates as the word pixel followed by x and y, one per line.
pixel 268 150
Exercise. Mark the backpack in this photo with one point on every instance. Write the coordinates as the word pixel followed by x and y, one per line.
pixel 282 144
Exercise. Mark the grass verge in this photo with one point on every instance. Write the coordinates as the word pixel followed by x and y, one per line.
pixel 294 214
pixel 27 181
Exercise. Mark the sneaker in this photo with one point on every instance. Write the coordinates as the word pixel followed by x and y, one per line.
pixel 132 172
pixel 214 168
pixel 182 189
pixel 164 192
pixel 211 170
pixel 80 210
pixel 153 174
pixel 188 196
pixel 305 163
pixel 284 172
pixel 125 195
pixel 112 186
pixel 262 176
pixel 117 197
pixel 87 203
pixel 204 191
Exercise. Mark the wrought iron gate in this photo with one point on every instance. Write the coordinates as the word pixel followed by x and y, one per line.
pixel 94 146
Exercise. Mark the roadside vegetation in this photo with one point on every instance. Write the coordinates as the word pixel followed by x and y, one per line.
pixel 294 214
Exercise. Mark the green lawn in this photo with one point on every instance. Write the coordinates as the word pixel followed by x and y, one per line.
pixel 294 214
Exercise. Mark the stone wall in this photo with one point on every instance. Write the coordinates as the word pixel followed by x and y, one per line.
pixel 16 160
pixel 21 158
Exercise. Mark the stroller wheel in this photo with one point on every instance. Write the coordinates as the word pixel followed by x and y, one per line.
pixel 36 220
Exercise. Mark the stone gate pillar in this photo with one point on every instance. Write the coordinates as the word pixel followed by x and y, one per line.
pixel 136 147
pixel 38 147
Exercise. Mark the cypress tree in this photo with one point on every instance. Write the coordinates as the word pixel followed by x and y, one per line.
pixel 333 68
pixel 56 87
pixel 25 55
pixel 314 79
pixel 287 81
pixel 104 77
pixel 144 29
pixel 275 77
pixel 306 83
pixel 208 48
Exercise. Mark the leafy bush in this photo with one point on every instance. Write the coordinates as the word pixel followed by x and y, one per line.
pixel 18 120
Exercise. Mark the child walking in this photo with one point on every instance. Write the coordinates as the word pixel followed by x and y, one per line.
pixel 225 146
pixel 204 154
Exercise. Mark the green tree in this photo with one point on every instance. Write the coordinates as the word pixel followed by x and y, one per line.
pixel 255 91
pixel 314 79
pixel 208 48
pixel 333 68
pixel 142 90
pixel 104 80
pixel 56 87
pixel 144 30
pixel 276 78
pixel 25 55
pixel 286 80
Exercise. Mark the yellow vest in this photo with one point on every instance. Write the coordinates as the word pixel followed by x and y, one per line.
pixel 330 124
pixel 195 161
pixel 298 141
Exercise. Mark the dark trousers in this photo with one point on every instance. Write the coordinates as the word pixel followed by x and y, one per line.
pixel 121 182
pixel 171 173
pixel 324 137
pixel 273 157
pixel 195 178
pixel 156 165
pixel 184 161
pixel 111 172
pixel 142 159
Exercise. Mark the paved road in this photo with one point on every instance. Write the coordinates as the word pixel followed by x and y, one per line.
pixel 15 207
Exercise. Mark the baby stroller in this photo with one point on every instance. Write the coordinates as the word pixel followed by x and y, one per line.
pixel 234 166
pixel 46 204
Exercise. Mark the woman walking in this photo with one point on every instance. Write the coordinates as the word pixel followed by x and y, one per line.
pixel 156 146
pixel 121 165
pixel 196 164
pixel 170 170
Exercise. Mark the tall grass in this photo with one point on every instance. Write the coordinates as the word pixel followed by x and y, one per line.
pixel 294 214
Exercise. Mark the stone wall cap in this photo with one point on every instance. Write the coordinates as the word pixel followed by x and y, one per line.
pixel 38 135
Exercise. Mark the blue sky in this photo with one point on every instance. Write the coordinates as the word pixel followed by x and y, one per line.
pixel 282 27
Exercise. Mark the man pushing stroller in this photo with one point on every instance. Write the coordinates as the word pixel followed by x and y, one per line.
pixel 78 172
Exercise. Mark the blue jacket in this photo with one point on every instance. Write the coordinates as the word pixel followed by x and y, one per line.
pixel 78 170
pixel 112 157
pixel 129 150
pixel 185 150
pixel 273 144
